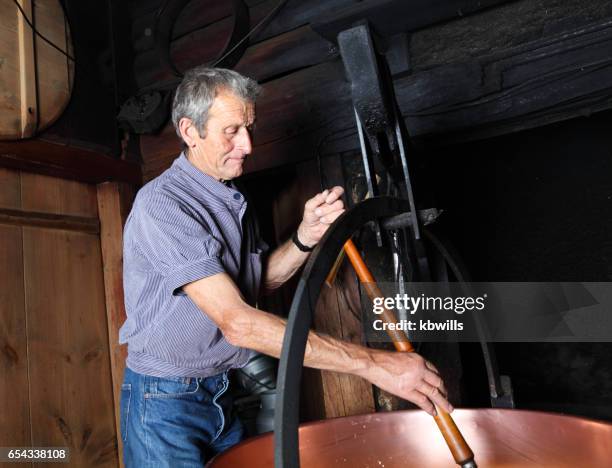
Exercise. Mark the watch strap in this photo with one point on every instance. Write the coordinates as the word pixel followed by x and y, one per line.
pixel 299 245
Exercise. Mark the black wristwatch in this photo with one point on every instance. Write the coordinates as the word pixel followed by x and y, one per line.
pixel 299 245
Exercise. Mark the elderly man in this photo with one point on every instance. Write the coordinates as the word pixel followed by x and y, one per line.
pixel 193 267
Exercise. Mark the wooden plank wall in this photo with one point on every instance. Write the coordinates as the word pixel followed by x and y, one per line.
pixel 53 332
pixel 15 428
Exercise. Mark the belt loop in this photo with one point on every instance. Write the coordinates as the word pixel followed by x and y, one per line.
pixel 147 384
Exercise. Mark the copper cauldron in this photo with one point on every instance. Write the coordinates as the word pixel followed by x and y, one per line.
pixel 499 438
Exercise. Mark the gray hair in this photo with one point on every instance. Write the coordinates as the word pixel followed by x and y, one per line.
pixel 195 94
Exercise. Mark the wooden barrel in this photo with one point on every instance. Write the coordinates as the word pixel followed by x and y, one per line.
pixel 35 78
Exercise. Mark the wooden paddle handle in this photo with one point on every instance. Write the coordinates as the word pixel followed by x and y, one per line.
pixel 454 439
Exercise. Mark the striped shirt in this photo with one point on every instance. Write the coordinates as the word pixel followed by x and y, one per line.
pixel 184 225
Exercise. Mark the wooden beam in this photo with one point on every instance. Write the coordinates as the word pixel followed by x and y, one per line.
pixel 292 49
pixel 390 17
pixel 559 77
pixel 286 43
pixel 69 162
pixel 200 14
pixel 287 52
pixel 114 202
pixel 279 55
pixel 555 78
pixel 49 220
pixel 562 74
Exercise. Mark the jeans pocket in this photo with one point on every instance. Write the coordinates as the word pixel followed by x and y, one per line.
pixel 172 388
pixel 124 405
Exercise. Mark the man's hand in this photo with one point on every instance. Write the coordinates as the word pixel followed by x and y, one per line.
pixel 319 212
pixel 409 376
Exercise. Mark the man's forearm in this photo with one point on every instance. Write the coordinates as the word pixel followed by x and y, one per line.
pixel 264 332
pixel 407 375
pixel 403 374
pixel 282 265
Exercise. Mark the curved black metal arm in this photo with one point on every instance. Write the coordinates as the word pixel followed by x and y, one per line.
pixel 286 420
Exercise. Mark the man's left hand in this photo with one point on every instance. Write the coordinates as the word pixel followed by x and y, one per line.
pixel 319 213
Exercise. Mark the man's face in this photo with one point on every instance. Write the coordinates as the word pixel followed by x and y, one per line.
pixel 227 140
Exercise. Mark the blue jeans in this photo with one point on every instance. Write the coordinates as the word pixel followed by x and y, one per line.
pixel 175 422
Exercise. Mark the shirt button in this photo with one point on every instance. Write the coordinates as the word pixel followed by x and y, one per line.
pixel 237 196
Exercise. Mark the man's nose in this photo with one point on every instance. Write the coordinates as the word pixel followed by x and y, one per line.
pixel 244 141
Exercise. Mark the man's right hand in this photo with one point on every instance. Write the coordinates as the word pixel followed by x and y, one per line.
pixel 409 376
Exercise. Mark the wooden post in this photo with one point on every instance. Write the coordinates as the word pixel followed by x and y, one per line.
pixel 114 202
pixel 335 315
pixel 27 70
pixel 329 394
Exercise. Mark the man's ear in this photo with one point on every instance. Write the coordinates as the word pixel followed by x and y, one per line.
pixel 189 133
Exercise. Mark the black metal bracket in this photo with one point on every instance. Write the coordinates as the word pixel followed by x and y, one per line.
pixel 379 117
pixel 381 130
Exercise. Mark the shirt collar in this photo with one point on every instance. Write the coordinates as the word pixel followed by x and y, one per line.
pixel 215 187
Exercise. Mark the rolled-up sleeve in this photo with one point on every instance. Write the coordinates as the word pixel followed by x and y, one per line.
pixel 175 242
